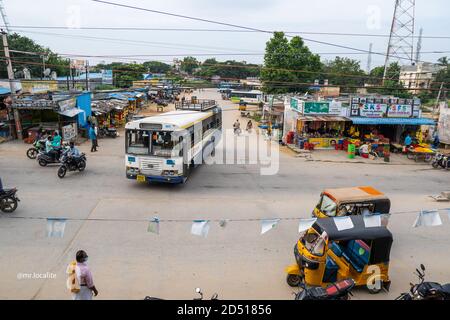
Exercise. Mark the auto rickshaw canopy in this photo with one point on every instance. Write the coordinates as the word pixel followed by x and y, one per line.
pixel 379 237
pixel 354 194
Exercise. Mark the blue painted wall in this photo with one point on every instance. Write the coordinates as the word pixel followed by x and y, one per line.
pixel 84 103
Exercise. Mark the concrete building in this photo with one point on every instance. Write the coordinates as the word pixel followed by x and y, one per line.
pixel 420 75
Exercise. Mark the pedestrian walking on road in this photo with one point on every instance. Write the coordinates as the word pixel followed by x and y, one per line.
pixel 80 281
pixel 237 127
pixel 93 138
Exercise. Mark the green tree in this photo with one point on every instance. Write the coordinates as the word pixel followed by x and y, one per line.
pixel 33 63
pixel 189 64
pixel 344 72
pixel 282 60
pixel 391 85
pixel 157 67
pixel 443 61
pixel 229 69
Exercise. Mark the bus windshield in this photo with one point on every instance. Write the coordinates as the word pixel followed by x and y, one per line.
pixel 155 143
pixel 138 142
pixel 162 144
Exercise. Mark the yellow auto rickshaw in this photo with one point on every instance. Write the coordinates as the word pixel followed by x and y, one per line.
pixel 351 201
pixel 325 254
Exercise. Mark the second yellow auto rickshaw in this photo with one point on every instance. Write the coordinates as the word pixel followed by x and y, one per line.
pixel 325 254
pixel 351 201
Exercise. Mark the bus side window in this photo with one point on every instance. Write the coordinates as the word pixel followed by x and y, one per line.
pixel 181 146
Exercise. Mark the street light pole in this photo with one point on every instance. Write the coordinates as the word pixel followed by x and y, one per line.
pixel 11 84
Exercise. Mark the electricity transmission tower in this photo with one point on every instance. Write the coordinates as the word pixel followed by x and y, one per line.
pixel 401 39
pixel 4 17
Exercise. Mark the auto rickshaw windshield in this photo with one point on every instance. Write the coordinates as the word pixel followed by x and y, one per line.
pixel 314 243
pixel 328 206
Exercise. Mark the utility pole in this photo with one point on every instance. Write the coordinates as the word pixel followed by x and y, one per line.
pixel 11 85
pixel 87 75
pixel 436 106
pixel 4 17
pixel 419 46
pixel 369 59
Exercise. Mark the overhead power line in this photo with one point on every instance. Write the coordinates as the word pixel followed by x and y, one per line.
pixel 214 30
pixel 286 83
pixel 238 26
pixel 167 45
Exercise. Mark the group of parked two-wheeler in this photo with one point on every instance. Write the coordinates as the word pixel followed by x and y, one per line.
pixel 441 160
pixel 58 155
pixel 341 290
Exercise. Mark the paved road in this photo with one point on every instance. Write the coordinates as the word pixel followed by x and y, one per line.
pixel 237 262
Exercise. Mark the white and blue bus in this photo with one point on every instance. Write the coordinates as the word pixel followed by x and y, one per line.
pixel 249 97
pixel 164 148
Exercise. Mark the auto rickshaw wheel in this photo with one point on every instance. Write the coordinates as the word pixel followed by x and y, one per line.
pixel 293 280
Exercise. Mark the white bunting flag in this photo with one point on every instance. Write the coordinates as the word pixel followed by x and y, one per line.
pixel 430 218
pixel 153 225
pixel 200 228
pixel 372 220
pixel 343 223
pixel 305 224
pixel 268 224
pixel 56 227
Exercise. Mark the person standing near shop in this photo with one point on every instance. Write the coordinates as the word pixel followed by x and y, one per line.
pixel 93 137
pixel 408 140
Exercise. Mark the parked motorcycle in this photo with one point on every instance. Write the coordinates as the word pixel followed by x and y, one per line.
pixel 441 160
pixel 425 290
pixel 337 291
pixel 8 199
pixel 161 102
pixel 215 296
pixel 108 132
pixel 44 158
pixel 70 163
pixel 38 146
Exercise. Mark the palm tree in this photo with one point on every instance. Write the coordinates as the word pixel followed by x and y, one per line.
pixel 443 61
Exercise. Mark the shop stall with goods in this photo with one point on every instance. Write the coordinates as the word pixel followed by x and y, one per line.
pixel 386 122
pixel 48 113
pixel 369 126
pixel 315 124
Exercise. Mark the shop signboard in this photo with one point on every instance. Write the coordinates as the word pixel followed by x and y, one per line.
pixel 373 110
pixel 400 111
pixel 77 64
pixel 107 77
pixel 67 104
pixel 335 108
pixel 297 105
pixel 69 132
pixel 317 107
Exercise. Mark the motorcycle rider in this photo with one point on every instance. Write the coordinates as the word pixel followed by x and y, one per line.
pixel 56 139
pixel 73 153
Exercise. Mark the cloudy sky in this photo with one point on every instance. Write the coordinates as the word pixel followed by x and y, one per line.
pixel 342 16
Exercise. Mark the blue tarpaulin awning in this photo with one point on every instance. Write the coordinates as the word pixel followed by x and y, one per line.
pixel 393 121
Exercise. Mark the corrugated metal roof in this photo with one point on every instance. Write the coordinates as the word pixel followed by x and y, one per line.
pixel 393 121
